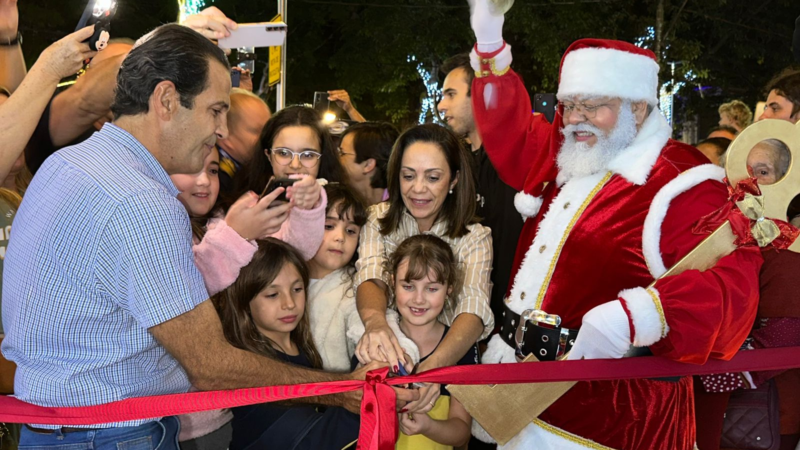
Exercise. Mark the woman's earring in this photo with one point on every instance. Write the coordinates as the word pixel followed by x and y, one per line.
pixel 451 190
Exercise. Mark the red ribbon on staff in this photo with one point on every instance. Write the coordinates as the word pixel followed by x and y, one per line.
pixel 740 223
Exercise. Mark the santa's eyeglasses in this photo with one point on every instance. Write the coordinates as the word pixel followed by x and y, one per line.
pixel 586 110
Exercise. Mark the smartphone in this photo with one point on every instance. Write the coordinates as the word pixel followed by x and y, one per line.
pixel 263 34
pixel 321 103
pixel 236 77
pixel 545 104
pixel 98 13
pixel 275 183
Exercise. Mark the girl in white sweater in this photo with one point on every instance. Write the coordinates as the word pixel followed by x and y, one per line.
pixel 335 324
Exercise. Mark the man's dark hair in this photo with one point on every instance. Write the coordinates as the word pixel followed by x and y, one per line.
pixel 787 85
pixel 460 61
pixel 173 53
pixel 374 140
pixel 720 143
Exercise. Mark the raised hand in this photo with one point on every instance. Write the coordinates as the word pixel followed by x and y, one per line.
pixel 255 219
pixel 305 193
pixel 66 57
pixel 486 23
pixel 9 20
pixel 211 23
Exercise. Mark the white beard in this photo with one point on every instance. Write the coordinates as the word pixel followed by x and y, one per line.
pixel 578 159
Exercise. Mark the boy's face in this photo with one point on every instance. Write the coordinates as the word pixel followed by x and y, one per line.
pixel 339 242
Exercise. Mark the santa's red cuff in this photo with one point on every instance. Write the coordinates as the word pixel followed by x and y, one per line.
pixel 646 314
pixel 495 63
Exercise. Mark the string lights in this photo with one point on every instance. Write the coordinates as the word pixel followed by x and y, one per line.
pixel 189 7
pixel 431 90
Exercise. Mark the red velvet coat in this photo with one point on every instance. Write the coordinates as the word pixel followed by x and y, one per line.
pixel 591 240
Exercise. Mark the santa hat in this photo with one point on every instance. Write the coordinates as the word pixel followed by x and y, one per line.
pixel 602 67
pixel 594 67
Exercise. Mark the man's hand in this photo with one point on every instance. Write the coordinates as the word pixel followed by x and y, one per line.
pixel 254 219
pixel 487 26
pixel 342 98
pixel 305 193
pixel 379 344
pixel 245 79
pixel 66 57
pixel 605 333
pixel 411 424
pixel 211 23
pixel 9 20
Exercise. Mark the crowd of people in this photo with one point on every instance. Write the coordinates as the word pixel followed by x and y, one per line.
pixel 177 235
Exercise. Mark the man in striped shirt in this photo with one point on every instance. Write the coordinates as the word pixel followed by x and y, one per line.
pixel 101 297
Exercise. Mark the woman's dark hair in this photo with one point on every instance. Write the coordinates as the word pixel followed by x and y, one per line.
pixel 233 304
pixel 173 53
pixel 348 204
pixel 259 170
pixel 427 253
pixel 374 140
pixel 458 209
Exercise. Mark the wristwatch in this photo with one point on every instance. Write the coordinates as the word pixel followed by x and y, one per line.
pixel 9 42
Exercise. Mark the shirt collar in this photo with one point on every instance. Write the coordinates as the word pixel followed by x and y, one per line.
pixel 149 164
pixel 439 227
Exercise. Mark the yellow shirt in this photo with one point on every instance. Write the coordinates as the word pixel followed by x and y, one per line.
pixel 440 411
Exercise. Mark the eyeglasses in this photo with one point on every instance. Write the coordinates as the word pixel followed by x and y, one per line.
pixel 588 111
pixel 342 152
pixel 285 156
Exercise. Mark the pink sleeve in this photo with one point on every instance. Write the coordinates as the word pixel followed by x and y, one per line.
pixel 305 228
pixel 221 255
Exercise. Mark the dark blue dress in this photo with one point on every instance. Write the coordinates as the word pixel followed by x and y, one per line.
pixel 274 426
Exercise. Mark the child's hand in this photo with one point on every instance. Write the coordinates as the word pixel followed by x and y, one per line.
pixel 254 219
pixel 305 193
pixel 428 394
pixel 411 424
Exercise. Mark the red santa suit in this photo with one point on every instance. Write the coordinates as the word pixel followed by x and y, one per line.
pixel 604 237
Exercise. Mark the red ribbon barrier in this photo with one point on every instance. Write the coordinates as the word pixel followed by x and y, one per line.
pixel 378 416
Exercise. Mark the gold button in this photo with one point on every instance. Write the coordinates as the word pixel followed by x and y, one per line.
pixel 508 300
pixel 566 205
pixel 522 296
pixel 484 61
pixel 485 73
pixel 542 249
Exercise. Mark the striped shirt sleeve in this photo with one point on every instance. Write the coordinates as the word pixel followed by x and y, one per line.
pixel 371 250
pixel 475 255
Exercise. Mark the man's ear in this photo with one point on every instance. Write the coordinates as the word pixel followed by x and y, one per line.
pixel 165 100
pixel 639 112
pixel 369 165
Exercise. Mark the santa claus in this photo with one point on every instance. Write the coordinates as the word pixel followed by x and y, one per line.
pixel 609 202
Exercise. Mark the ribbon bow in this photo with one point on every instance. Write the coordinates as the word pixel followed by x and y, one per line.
pixel 745 212
pixel 378 416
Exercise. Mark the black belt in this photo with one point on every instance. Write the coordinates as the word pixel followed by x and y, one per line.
pixel 546 341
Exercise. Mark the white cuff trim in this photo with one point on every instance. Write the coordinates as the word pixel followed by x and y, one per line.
pixel 647 315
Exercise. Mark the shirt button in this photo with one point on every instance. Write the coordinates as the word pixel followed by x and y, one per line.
pixel 485 73
pixel 484 61
pixel 542 249
pixel 522 296
pixel 566 205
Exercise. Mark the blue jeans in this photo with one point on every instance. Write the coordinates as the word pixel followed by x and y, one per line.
pixel 161 435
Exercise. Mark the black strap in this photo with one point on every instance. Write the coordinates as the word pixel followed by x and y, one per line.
pixel 544 343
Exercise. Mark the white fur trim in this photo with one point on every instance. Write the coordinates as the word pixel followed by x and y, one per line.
pixel 651 234
pixel 501 61
pixel 498 352
pixel 610 73
pixel 481 434
pixel 534 436
pixel 536 264
pixel 646 317
pixel 527 204
pixel 635 162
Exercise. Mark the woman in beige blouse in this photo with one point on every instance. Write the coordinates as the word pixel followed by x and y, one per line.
pixel 431 190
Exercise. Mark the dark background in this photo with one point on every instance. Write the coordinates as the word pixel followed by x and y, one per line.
pixel 732 47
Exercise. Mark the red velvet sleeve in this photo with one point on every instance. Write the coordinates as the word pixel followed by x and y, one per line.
pixel 514 138
pixel 709 313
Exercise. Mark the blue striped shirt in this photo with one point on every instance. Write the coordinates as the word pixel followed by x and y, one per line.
pixel 102 251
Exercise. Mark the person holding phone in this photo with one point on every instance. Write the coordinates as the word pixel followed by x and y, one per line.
pixel 295 146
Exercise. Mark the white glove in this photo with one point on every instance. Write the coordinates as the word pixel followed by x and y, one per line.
pixel 487 26
pixel 605 333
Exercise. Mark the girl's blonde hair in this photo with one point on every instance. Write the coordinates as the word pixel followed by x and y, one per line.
pixel 233 304
pixel 428 255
